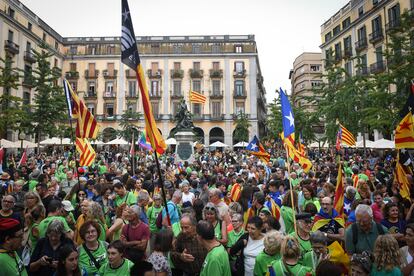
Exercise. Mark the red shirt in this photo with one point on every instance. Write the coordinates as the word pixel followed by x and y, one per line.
pixel 137 233
pixel 377 213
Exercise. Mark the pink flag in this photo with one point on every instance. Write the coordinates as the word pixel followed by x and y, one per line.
pixel 23 160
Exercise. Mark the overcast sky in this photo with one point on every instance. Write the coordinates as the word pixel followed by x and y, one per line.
pixel 283 28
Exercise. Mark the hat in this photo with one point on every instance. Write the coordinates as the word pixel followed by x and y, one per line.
pixel 67 206
pixel 35 174
pixel 303 216
pixel 8 223
pixel 5 176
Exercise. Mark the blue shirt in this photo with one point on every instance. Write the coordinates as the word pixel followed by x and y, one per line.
pixel 172 211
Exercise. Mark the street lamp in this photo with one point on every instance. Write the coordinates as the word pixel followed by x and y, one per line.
pixel 21 138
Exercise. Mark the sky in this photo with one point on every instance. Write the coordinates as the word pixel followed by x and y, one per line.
pixel 283 29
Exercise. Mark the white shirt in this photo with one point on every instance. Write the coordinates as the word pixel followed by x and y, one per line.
pixel 250 252
pixel 188 197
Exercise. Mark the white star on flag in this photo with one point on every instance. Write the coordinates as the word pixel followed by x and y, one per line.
pixel 347 207
pixel 254 146
pixel 291 119
pixel 125 15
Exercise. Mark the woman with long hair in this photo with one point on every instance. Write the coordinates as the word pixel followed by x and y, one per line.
pixel 387 257
pixel 36 215
pixel 95 213
pixel 68 262
pixel 31 200
pixel 211 214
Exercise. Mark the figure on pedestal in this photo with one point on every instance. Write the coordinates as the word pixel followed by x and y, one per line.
pixel 183 117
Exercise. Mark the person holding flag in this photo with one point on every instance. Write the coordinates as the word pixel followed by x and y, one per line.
pixel 328 221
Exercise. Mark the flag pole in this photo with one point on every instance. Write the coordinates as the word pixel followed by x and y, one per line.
pixel 291 189
pixel 74 149
pixel 133 153
pixel 161 182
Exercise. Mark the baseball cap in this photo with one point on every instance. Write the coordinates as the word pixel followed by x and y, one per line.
pixel 67 206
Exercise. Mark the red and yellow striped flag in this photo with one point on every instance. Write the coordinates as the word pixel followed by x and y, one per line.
pixel 339 192
pixel 196 97
pixel 86 151
pixel 402 180
pixel 130 57
pixel 235 192
pixel 347 137
pixel 86 125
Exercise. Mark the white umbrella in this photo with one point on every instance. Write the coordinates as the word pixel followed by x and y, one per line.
pixel 26 144
pixel 368 144
pixel 50 141
pixel 241 144
pixel 117 141
pixel 6 143
pixel 97 142
pixel 383 144
pixel 171 141
pixel 218 144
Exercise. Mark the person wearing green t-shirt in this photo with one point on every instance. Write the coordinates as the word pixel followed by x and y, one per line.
pixel 217 260
pixel 237 232
pixel 123 196
pixel 319 250
pixel 289 263
pixel 117 264
pixel 91 262
pixel 54 208
pixel 271 252
pixel 11 235
pixel 304 222
pixel 152 215
pixel 287 212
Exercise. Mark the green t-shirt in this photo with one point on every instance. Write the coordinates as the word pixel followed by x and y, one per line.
pixel 315 201
pixel 216 263
pixel 298 270
pixel 32 184
pixel 33 239
pixel 152 214
pixel 176 228
pixel 102 169
pixel 124 269
pixel 10 265
pixel 287 215
pixel 85 263
pixel 263 260
pixel 233 237
pixel 44 224
pixel 310 260
pixel 305 246
pixel 295 181
pixel 217 230
pixel 128 198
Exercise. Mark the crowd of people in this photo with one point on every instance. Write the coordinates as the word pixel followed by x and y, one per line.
pixel 226 213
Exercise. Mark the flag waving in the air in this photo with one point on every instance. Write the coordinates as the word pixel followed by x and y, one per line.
pixel 288 121
pixel 256 148
pixel 130 57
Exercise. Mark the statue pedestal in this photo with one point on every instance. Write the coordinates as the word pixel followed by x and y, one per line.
pixel 184 151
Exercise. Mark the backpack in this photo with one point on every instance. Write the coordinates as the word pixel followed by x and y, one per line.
pixel 355 232
pixel 159 217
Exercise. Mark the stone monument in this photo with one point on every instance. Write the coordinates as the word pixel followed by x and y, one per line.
pixel 184 150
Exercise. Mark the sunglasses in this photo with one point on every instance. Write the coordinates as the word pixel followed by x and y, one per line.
pixel 210 208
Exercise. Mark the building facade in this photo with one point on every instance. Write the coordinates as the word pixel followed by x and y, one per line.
pixel 305 75
pixel 224 68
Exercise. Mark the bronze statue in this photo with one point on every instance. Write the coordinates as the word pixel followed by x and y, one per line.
pixel 183 117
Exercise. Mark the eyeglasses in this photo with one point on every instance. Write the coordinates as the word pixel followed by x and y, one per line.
pixel 208 208
pixel 8 201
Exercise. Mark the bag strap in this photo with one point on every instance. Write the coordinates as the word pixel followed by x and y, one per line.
pixel 95 262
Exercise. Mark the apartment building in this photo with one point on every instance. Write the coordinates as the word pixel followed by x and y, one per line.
pixel 224 68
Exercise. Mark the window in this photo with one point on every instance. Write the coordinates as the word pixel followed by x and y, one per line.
pixel 360 11
pixel 197 109
pixel 73 50
pixel 10 36
pixel 197 86
pixel 154 88
pixel 338 53
pixel 238 49
pixel 91 49
pixel 216 87
pixel 29 26
pixel 177 49
pixel 239 88
pixel 26 98
pixel 132 88
pixel 315 83
pixel 56 45
pixel 28 47
pixel 239 66
pixel 378 54
pixel 91 108
pixel 362 34
pixel 376 25
pixel 72 66
pixel 27 73
pixel 155 48
pixel 44 37
pixel 175 106
pixel 74 85
pixel 177 88
pixel 240 107
pixel 91 88
pixel 364 61
pixel 155 108
pixel 55 64
pixel 196 48
pixel 315 67
pixel 348 45
pixel 375 2
pixel 216 66
pixel 177 65
pixel 216 108
pixel 109 109
pixel 394 15
pixel 110 49
pixel 346 23
pixel 348 69
pixel 11 12
pixel 216 48
pixel 109 88
pixel 328 36
pixel 336 30
pixel 154 67
pixel 196 66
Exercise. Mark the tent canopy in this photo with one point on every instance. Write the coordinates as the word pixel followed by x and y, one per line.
pixel 241 144
pixel 6 143
pixel 218 144
pixel 383 144
pixel 368 144
pixel 117 141
pixel 171 141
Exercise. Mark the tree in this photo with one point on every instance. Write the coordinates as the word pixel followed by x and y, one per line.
pixel 12 115
pixel 49 102
pixel 127 123
pixel 241 131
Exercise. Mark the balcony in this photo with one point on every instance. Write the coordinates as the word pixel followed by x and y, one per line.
pixel 376 36
pixel 361 45
pixel 240 94
pixel 176 95
pixel 177 73
pixel 216 73
pixel 196 74
pixel 239 74
pixel 377 67
pixel 348 52
pixel 110 74
pixel 362 71
pixel 108 95
pixel 29 57
pixel 198 117
pixel 216 94
pixel 90 95
pixel 217 117
pixel 132 95
pixel 155 95
pixel 130 74
pixel 393 25
pixel 154 74
pixel 11 47
pixel 71 75
pixel 91 74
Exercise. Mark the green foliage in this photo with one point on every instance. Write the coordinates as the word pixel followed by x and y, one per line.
pixel 127 123
pixel 241 131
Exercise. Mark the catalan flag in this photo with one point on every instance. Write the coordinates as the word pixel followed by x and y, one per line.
pixel 87 153
pixel 402 180
pixel 404 134
pixel 86 125
pixel 256 148
pixel 273 208
pixel 288 121
pixel 235 192
pixel 346 137
pixel 339 192
pixel 130 57
pixel 196 97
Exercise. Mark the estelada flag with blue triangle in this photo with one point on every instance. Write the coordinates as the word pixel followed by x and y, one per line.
pixel 288 120
pixel 256 148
